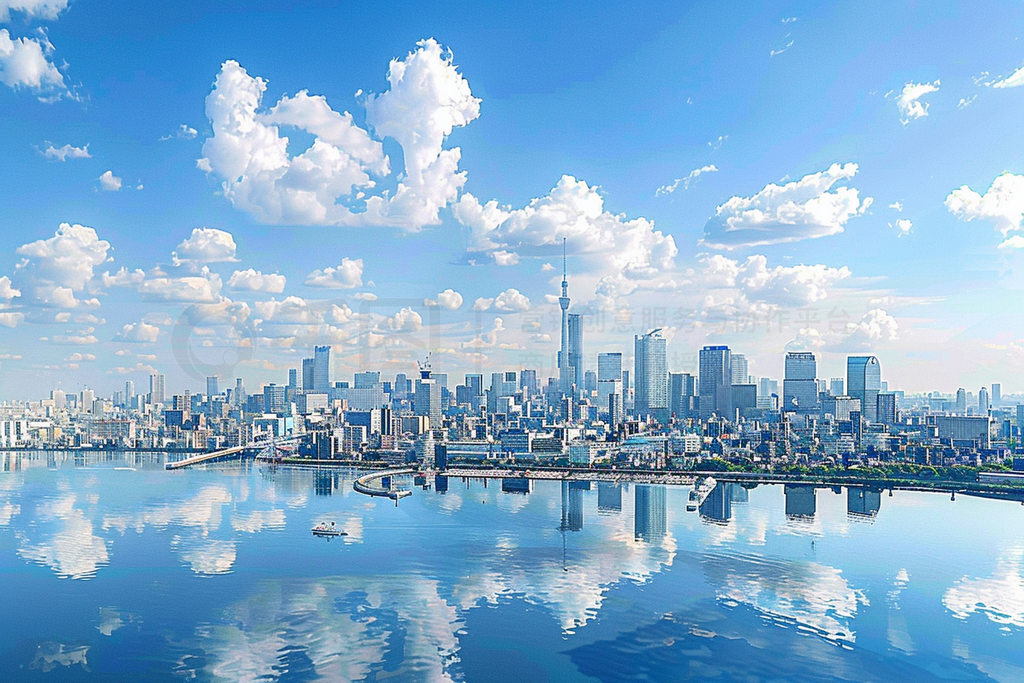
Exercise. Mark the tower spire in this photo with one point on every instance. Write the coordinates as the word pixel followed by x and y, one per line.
pixel 563 260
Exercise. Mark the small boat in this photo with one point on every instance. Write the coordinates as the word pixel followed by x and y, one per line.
pixel 327 529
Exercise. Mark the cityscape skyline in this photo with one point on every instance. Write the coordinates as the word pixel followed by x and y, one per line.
pixel 872 205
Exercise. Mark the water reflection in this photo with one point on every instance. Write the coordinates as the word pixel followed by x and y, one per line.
pixel 623 586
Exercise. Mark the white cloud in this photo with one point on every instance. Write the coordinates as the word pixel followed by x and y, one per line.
pixel 718 142
pixel 24 63
pixel 909 100
pixel 897 206
pixel 348 275
pixel 11 318
pixel 55 269
pixel 328 182
pixel 74 339
pixel 406 320
pixel 1002 203
pixel 505 258
pixel 77 357
pixel 139 333
pixel 903 225
pixel 109 182
pixel 251 280
pixel 510 301
pixel 1013 242
pixel 574 211
pixel 875 326
pixel 1012 81
pixel 690 178
pixel 782 285
pixel 798 210
pixel 448 299
pixel 182 132
pixel 202 288
pixel 66 152
pixel 364 296
pixel 292 310
pixel 8 292
pixel 206 245
pixel 32 9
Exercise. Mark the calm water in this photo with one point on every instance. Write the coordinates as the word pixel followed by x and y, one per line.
pixel 111 574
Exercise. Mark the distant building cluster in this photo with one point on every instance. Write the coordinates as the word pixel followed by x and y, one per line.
pixel 645 416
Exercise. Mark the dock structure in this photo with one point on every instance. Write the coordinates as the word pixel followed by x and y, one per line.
pixel 367 485
pixel 203 458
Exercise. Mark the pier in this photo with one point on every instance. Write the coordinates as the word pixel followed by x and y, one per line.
pixel 367 485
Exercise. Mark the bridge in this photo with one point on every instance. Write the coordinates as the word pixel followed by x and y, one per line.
pixel 367 486
pixel 269 450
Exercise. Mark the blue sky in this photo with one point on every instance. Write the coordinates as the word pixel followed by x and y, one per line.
pixel 785 175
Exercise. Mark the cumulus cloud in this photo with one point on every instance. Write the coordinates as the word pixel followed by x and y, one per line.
pixel 782 285
pixel 406 320
pixel 8 292
pixel 909 100
pixel 138 333
pixel 686 181
pixel 448 299
pixel 802 209
pixel 575 211
pixel 1014 242
pixel 510 301
pixel 206 245
pixel 24 63
pixel 875 326
pixel 328 183
pixel 202 288
pixel 56 269
pixel 348 275
pixel 32 9
pixel 1002 203
pixel 1012 81
pixel 66 152
pixel 251 280
pixel 110 182
pixel 182 132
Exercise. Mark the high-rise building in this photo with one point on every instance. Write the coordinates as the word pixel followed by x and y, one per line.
pixel 864 381
pixel 321 368
pixel 1020 419
pixel 681 389
pixel 308 372
pixel 984 402
pixel 427 400
pixel 157 388
pixel 273 398
pixel 800 387
pixel 212 386
pixel 293 380
pixel 475 382
pixel 836 386
pixel 129 394
pixel 528 382
pixel 997 395
pixel 565 372
pixel 366 380
pixel 885 412
pixel 651 369
pixel 961 401
pixel 715 384
pixel 609 376
pixel 740 369
pixel 576 350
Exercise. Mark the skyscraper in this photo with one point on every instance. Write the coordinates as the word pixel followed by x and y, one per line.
pixel 681 388
pixel 836 386
pixel 609 377
pixel 427 400
pixel 740 369
pixel 651 374
pixel 157 388
pixel 212 386
pixel 864 381
pixel 308 367
pixel 997 394
pixel 576 349
pixel 800 387
pixel 961 401
pixel 715 385
pixel 129 393
pixel 984 402
pixel 565 373
pixel 321 368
